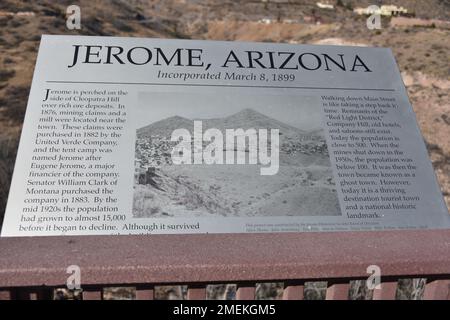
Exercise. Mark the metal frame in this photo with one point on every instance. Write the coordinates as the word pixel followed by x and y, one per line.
pixel 30 267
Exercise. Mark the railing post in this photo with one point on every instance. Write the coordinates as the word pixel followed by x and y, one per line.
pixel 145 293
pixel 337 291
pixel 437 290
pixel 93 294
pixel 37 293
pixel 245 291
pixel 196 292
pixel 387 291
pixel 5 294
pixel 293 291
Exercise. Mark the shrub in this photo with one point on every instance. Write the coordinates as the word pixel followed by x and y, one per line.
pixel 15 102
pixel 6 74
pixel 122 26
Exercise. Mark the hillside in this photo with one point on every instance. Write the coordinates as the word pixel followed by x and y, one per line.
pixel 164 127
pixel 421 52
pixel 249 118
pixel 154 145
pixel 245 119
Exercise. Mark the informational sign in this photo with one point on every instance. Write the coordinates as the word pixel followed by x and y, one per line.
pixel 152 136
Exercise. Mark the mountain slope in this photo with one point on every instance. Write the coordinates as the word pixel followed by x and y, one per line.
pixel 245 119
pixel 164 127
pixel 249 118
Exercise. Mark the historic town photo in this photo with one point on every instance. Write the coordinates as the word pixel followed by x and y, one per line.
pixel 243 155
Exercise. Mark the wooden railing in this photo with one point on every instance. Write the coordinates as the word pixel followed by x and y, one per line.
pixel 30 268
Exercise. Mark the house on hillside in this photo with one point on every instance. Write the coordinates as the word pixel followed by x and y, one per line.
pixel 324 5
pixel 384 10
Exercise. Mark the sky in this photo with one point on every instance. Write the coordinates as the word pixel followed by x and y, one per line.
pixel 301 111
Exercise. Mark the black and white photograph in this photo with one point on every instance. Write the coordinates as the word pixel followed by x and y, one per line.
pixel 284 167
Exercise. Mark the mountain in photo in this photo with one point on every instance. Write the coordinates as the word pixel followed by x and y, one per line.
pixel 164 127
pixel 245 119
pixel 303 186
